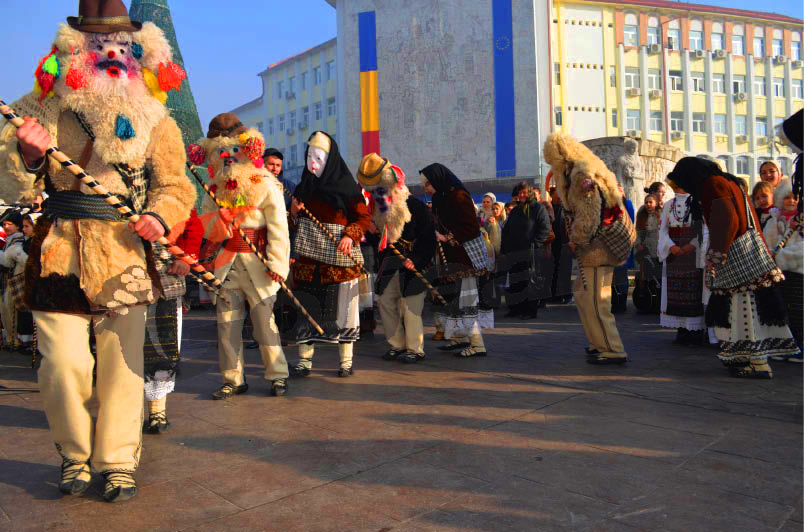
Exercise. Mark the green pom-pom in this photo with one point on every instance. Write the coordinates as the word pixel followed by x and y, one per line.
pixel 51 66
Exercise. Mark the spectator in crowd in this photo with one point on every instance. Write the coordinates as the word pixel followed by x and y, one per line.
pixel 485 211
pixel 647 287
pixel 762 196
pixel 770 173
pixel 12 258
pixel 509 207
pixel 561 286
pixel 658 189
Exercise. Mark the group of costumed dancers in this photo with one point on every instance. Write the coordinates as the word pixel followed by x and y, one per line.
pixel 118 235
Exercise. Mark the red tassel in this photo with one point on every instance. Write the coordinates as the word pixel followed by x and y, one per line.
pixel 384 239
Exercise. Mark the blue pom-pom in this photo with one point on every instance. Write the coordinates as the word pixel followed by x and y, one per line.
pixel 136 49
pixel 123 128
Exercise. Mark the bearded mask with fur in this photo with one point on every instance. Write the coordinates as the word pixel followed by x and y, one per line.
pixel 390 205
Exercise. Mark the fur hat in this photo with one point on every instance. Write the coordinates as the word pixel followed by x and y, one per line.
pixel 225 125
pixel 103 16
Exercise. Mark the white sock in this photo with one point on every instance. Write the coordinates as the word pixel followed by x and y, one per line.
pixel 306 355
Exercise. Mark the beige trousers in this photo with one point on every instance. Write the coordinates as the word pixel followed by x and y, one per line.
pixel 402 317
pixel 594 307
pixel 231 313
pixel 65 381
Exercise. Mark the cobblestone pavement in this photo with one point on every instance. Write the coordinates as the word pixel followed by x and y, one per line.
pixel 529 438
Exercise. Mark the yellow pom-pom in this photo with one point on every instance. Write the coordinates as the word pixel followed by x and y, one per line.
pixel 243 137
pixel 153 85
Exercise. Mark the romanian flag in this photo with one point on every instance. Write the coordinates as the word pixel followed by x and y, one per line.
pixel 369 92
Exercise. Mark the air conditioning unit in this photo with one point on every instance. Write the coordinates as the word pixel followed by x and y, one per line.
pixel 632 132
pixel 796 64
pixel 290 95
pixel 633 91
pixel 719 54
pixel 290 131
pixel 654 49
pixel 742 139
pixel 675 135
pixel 655 93
pixel 740 97
pixel 762 140
pixel 699 54
pixel 780 59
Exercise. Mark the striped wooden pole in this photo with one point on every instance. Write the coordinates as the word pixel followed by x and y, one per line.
pixel 259 254
pixel 114 201
pixel 421 277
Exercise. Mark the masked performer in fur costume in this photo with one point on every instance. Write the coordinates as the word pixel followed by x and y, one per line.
pixel 589 192
pixel 326 278
pixel 99 95
pixel 406 223
pixel 252 197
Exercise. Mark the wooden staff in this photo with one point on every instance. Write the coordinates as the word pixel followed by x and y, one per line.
pixel 259 254
pixel 420 276
pixel 111 199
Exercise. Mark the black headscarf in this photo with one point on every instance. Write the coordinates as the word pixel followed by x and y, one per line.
pixel 336 185
pixel 443 180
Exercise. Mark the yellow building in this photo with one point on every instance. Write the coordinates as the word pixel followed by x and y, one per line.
pixel 712 81
pixel 298 97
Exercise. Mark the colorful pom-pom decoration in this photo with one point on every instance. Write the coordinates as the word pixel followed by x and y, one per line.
pixel 123 128
pixel 254 147
pixel 240 201
pixel 231 184
pixel 153 85
pixel 211 172
pixel 243 138
pixel 196 154
pixel 136 50
pixel 76 79
pixel 256 179
pixel 213 188
pixel 46 74
pixel 170 76
pixel 258 162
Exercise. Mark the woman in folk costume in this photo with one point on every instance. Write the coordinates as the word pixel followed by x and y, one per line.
pixel 745 308
pixel 163 325
pixel 683 242
pixel 784 233
pixel 405 223
pixel 99 96
pixel 326 273
pixel 647 287
pixel 466 258
pixel 250 197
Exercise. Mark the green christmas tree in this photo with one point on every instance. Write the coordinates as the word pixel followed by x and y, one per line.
pixel 180 103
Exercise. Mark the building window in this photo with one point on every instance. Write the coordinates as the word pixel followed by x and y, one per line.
pixel 717 41
pixel 761 127
pixel 270 126
pixel 292 120
pixel 738 45
pixel 557 73
pixel 795 51
pixel 696 40
pixel 654 35
pixel 306 115
pixel 723 161
pixel 674 39
pixel 317 75
pixel 720 124
pixel 292 83
pixel 676 121
pixel 631 78
pixel 740 124
pixel 699 122
pixel 303 81
pixel 280 88
pixel 293 155
pixel 613 76
pixel 656 121
pixel 719 83
pixel 759 47
pixel 777 47
pixel 559 122
pixel 654 78
pixel 759 86
pixel 778 87
pixel 282 122
pixel 796 89
pixel 632 119
pixel 317 110
pixel 614 118
pixel 331 107
pixel 631 35
pixel 675 80
pixel 737 83
pixel 697 82
pixel 742 165
pixel 330 70
pixel 260 127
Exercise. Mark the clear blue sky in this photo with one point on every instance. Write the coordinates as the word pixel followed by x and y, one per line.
pixel 224 44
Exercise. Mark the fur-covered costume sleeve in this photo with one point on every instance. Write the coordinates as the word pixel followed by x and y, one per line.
pixel 724 210
pixel 460 218
pixel 277 249
pixel 170 194
pixel 359 217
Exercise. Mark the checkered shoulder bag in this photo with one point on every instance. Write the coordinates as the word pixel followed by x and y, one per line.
pixel 477 252
pixel 748 260
pixel 619 236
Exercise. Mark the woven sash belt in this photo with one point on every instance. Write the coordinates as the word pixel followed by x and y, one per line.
pixel 258 236
pixel 75 205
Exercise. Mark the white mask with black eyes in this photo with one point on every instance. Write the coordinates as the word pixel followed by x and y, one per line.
pixel 316 160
